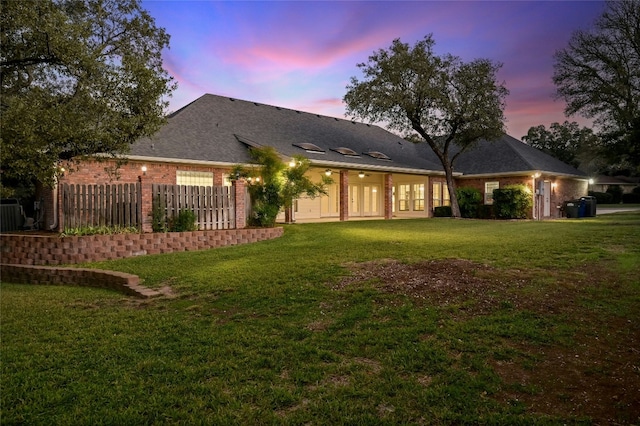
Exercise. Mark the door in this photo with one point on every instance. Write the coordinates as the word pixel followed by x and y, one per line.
pixel 547 199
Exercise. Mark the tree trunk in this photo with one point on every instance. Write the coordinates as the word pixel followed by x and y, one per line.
pixel 451 185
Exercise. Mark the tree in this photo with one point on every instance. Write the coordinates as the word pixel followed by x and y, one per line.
pixel 567 142
pixel 78 77
pixel 449 103
pixel 274 185
pixel 598 75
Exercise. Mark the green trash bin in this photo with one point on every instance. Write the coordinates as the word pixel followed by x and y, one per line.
pixel 571 208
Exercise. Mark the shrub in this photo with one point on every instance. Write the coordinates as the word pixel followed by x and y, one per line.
pixel 485 211
pixel 98 230
pixel 469 199
pixel 185 221
pixel 602 197
pixel 631 198
pixel 442 211
pixel 616 193
pixel 158 216
pixel 512 202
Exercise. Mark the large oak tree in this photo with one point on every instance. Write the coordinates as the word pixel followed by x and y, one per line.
pixel 598 75
pixel 78 77
pixel 449 103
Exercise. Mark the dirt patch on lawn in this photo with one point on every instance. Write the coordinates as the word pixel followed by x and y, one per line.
pixel 597 376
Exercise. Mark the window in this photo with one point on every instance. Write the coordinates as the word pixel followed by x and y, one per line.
pixel 446 200
pixel 190 178
pixel 488 191
pixel 418 197
pixel 437 194
pixel 440 194
pixel 403 197
pixel 226 179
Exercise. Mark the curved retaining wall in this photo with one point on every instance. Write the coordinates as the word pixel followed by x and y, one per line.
pixel 25 249
pixel 125 283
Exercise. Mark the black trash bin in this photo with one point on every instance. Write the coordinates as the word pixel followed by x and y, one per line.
pixel 589 206
pixel 571 208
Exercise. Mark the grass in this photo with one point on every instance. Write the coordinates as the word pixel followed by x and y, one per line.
pixel 264 333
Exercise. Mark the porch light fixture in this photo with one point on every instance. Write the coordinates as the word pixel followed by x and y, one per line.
pixel 328 172
pixel 292 163
pixel 361 175
pixel 144 170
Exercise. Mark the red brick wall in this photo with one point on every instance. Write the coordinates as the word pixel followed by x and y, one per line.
pixel 344 194
pixel 388 196
pixel 125 283
pixel 53 250
pixel 563 189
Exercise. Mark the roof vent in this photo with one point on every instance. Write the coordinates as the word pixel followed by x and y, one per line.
pixel 248 142
pixel 379 155
pixel 348 152
pixel 309 147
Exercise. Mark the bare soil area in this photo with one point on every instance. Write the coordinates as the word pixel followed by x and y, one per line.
pixel 597 376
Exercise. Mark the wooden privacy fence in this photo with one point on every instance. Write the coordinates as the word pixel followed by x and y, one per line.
pixel 101 205
pixel 214 206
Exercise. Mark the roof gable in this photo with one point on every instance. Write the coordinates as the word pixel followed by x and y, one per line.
pixel 508 155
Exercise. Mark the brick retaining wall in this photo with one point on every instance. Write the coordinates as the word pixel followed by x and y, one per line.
pixel 25 249
pixel 125 283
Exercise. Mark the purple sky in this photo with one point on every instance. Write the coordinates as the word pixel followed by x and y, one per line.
pixel 301 54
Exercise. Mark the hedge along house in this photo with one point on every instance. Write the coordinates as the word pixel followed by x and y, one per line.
pixel 376 174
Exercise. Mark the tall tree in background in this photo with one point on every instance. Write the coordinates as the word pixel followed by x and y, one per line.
pixel 598 75
pixel 78 77
pixel 450 104
pixel 567 142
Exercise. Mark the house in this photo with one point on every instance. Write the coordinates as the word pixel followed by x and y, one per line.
pixel 376 174
pixel 603 183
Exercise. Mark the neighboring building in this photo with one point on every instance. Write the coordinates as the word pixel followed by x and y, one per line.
pixel 602 183
pixel 376 174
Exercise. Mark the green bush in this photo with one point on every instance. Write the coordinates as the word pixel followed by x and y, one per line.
pixel 469 199
pixel 442 211
pixel 158 216
pixel 98 230
pixel 631 198
pixel 616 193
pixel 184 221
pixel 602 197
pixel 485 211
pixel 512 202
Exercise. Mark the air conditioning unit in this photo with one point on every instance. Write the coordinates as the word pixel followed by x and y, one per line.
pixel 11 215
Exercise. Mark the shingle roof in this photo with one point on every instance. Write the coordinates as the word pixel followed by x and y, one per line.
pixel 213 128
pixel 218 129
pixel 507 155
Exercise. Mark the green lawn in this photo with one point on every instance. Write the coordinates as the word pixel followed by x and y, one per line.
pixel 344 323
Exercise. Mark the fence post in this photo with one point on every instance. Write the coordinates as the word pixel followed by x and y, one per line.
pixel 239 199
pixel 146 205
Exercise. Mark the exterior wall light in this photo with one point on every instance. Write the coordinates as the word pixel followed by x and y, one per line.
pixel 328 172
pixel 144 170
pixel 361 175
pixel 292 163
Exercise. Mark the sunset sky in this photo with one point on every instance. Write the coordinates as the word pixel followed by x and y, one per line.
pixel 301 54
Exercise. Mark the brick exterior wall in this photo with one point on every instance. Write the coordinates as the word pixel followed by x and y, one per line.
pixel 53 250
pixel 119 281
pixel 109 171
pixel 388 196
pixel 344 195
pixel 563 189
